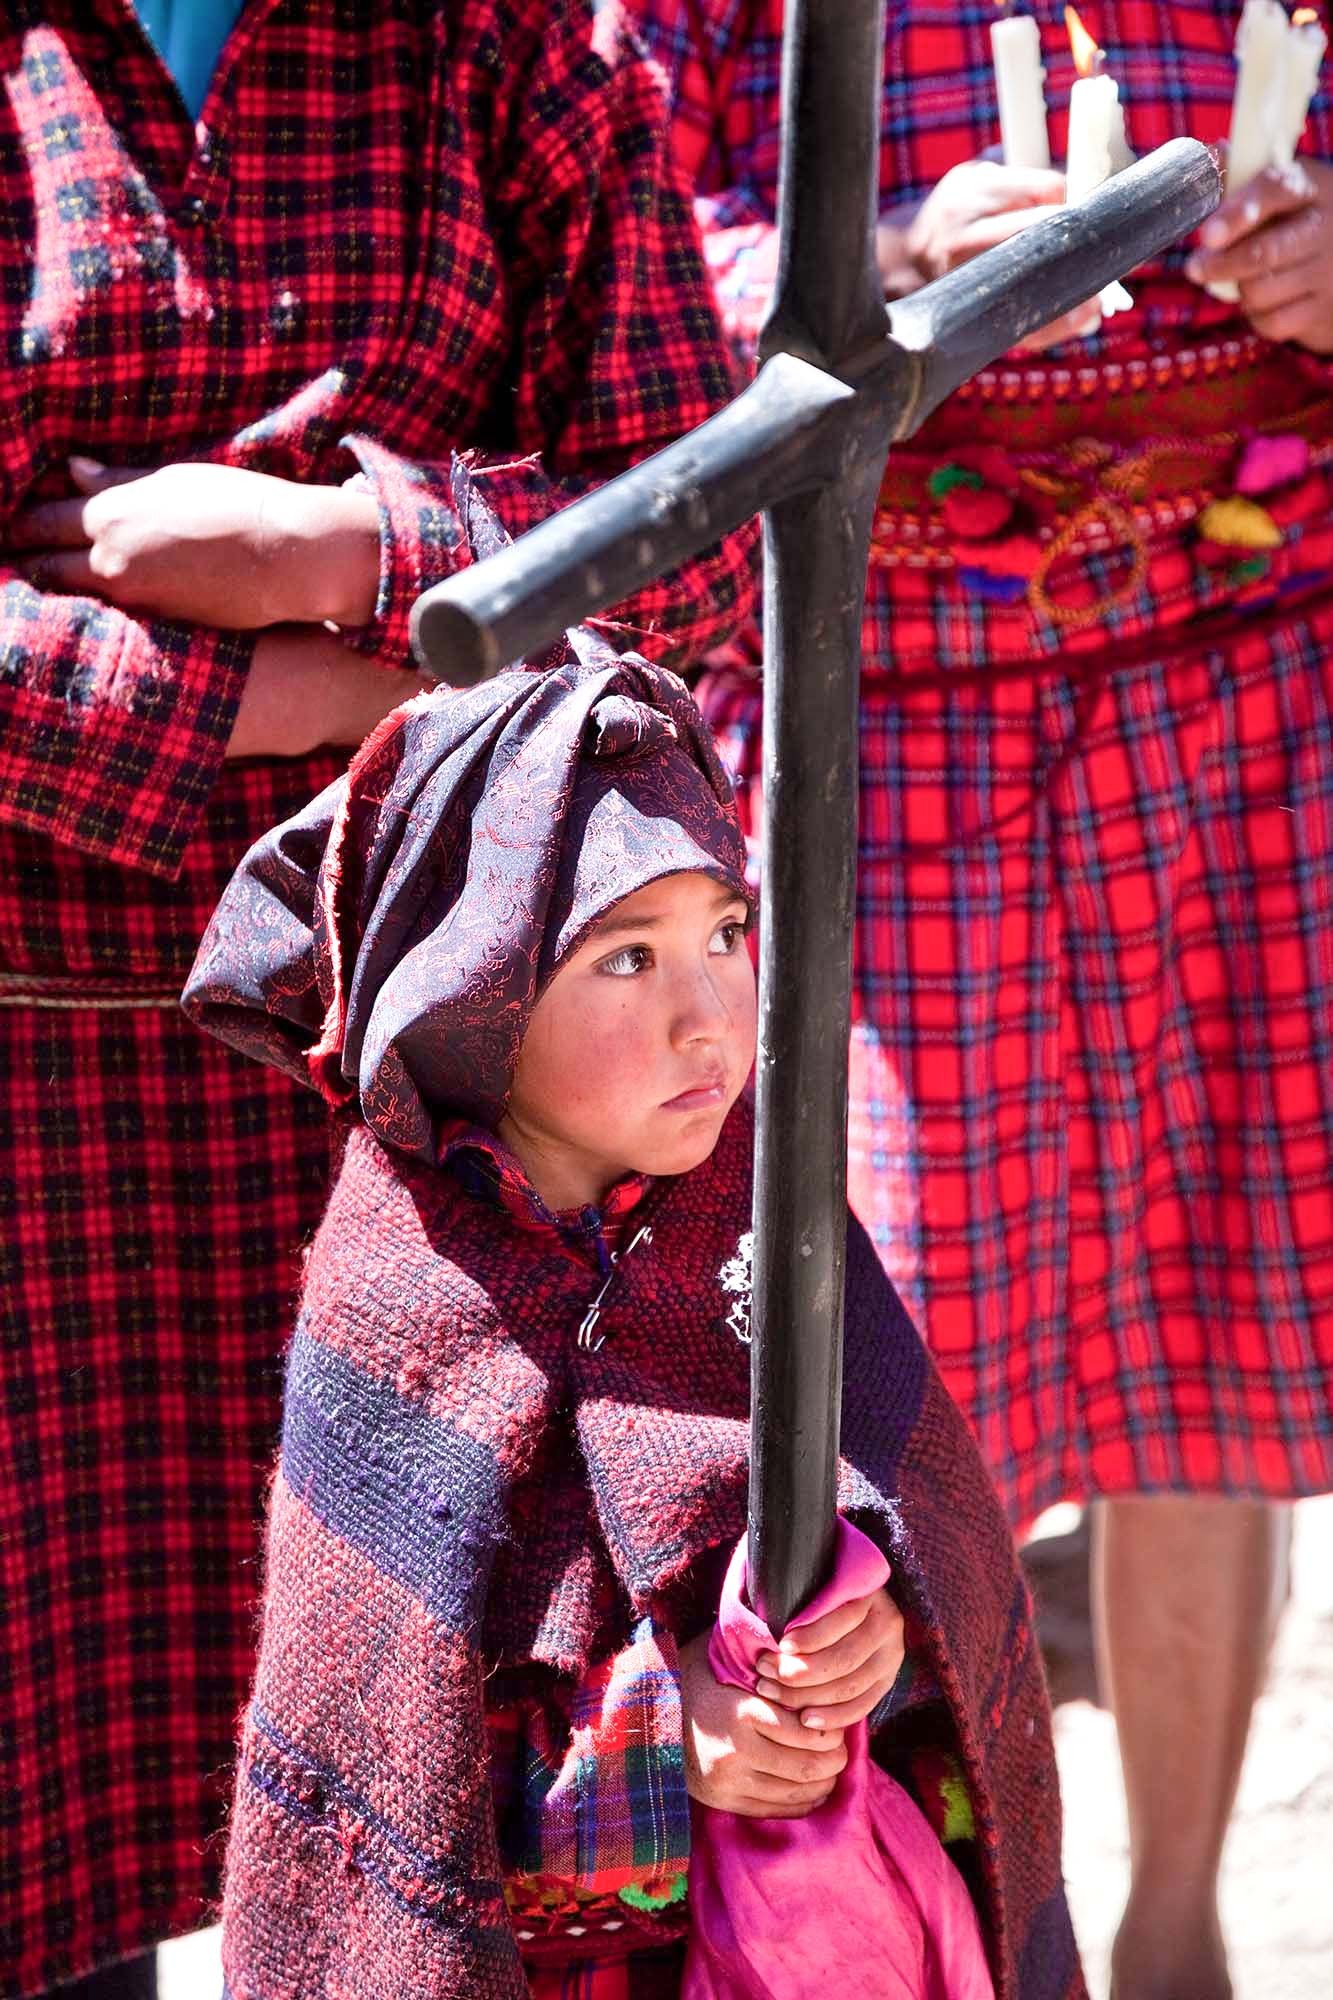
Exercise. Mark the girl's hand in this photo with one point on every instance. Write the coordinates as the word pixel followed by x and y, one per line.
pixel 833 1671
pixel 744 1755
pixel 1274 241
pixel 306 689
pixel 208 544
pixel 974 207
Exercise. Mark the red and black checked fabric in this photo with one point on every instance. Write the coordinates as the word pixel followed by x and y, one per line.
pixel 1173 63
pixel 454 230
pixel 395 234
pixel 1092 1065
pixel 649 1975
pixel 155 1189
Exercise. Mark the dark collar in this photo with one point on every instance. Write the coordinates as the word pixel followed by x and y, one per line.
pixel 488 1170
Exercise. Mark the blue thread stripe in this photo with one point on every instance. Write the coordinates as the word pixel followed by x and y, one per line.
pixel 422 1501
pixel 435 1889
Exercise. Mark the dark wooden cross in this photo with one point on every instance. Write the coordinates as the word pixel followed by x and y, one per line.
pixel 842 378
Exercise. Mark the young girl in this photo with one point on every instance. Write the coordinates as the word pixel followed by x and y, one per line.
pixel 510 945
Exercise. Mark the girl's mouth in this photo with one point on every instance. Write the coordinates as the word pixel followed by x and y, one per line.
pixel 701 1098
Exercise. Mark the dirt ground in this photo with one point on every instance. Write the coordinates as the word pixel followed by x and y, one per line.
pixel 1278 1875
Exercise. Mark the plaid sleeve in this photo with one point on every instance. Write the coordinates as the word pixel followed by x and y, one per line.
pixel 603 1809
pixel 723 64
pixel 616 341
pixel 111 731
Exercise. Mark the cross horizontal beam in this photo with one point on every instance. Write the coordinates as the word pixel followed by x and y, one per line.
pixel 791 432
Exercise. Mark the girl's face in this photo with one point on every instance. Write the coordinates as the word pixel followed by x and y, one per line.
pixel 639 1046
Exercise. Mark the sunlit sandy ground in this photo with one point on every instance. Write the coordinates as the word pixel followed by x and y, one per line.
pixel 1278 1878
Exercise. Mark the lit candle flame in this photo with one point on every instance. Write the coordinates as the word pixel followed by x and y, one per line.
pixel 1088 58
pixel 1305 17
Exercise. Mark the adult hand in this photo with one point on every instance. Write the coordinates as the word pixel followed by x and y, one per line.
pixel 745 1755
pixel 837 1668
pixel 974 207
pixel 210 544
pixel 1274 240
pixel 306 689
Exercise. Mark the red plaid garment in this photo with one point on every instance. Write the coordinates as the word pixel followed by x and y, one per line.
pixel 1092 1069
pixel 1092 1064
pixel 588 1797
pixel 648 1975
pixel 155 1189
pixel 394 234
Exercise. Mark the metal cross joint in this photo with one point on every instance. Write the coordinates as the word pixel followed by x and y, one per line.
pixel 843 377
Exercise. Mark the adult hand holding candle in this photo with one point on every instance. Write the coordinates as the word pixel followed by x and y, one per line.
pixel 1270 246
pixel 977 205
pixel 1277 73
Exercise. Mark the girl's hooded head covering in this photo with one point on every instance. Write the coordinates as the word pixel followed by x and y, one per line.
pixel 389 943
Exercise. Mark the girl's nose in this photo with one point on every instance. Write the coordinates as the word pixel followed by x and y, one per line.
pixel 702 1014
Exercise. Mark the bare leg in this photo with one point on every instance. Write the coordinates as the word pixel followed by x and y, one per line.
pixel 1186 1598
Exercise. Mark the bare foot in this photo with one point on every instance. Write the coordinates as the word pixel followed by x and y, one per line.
pixel 1183 1960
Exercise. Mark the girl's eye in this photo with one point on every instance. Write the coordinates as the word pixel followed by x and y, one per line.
pixel 726 937
pixel 624 964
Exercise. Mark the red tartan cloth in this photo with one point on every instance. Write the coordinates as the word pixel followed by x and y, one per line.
pixel 647 1976
pixel 395 233
pixel 1092 1064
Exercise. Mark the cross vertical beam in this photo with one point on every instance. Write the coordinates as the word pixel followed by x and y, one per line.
pixel 828 307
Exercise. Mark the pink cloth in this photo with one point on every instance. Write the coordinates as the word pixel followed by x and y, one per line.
pixel 859 1900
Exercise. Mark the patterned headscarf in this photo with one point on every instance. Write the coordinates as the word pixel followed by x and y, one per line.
pixel 389 942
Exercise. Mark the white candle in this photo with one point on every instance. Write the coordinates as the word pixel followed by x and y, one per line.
pixel 1306 47
pixel 1096 135
pixel 1097 145
pixel 1015 44
pixel 1261 64
pixel 1277 73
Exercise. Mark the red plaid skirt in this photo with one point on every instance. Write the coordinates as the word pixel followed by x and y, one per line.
pixel 648 1975
pixel 1092 1060
pixel 154 1188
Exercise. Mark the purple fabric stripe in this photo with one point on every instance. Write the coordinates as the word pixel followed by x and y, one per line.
pixel 429 1873
pixel 424 1502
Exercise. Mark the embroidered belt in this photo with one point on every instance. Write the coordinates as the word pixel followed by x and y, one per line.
pixel 1179 381
pixel 74 992
pixel 1038 482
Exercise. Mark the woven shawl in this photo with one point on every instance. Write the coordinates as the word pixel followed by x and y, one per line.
pixel 435 1357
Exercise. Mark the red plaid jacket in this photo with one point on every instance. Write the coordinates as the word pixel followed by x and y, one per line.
pixel 395 233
